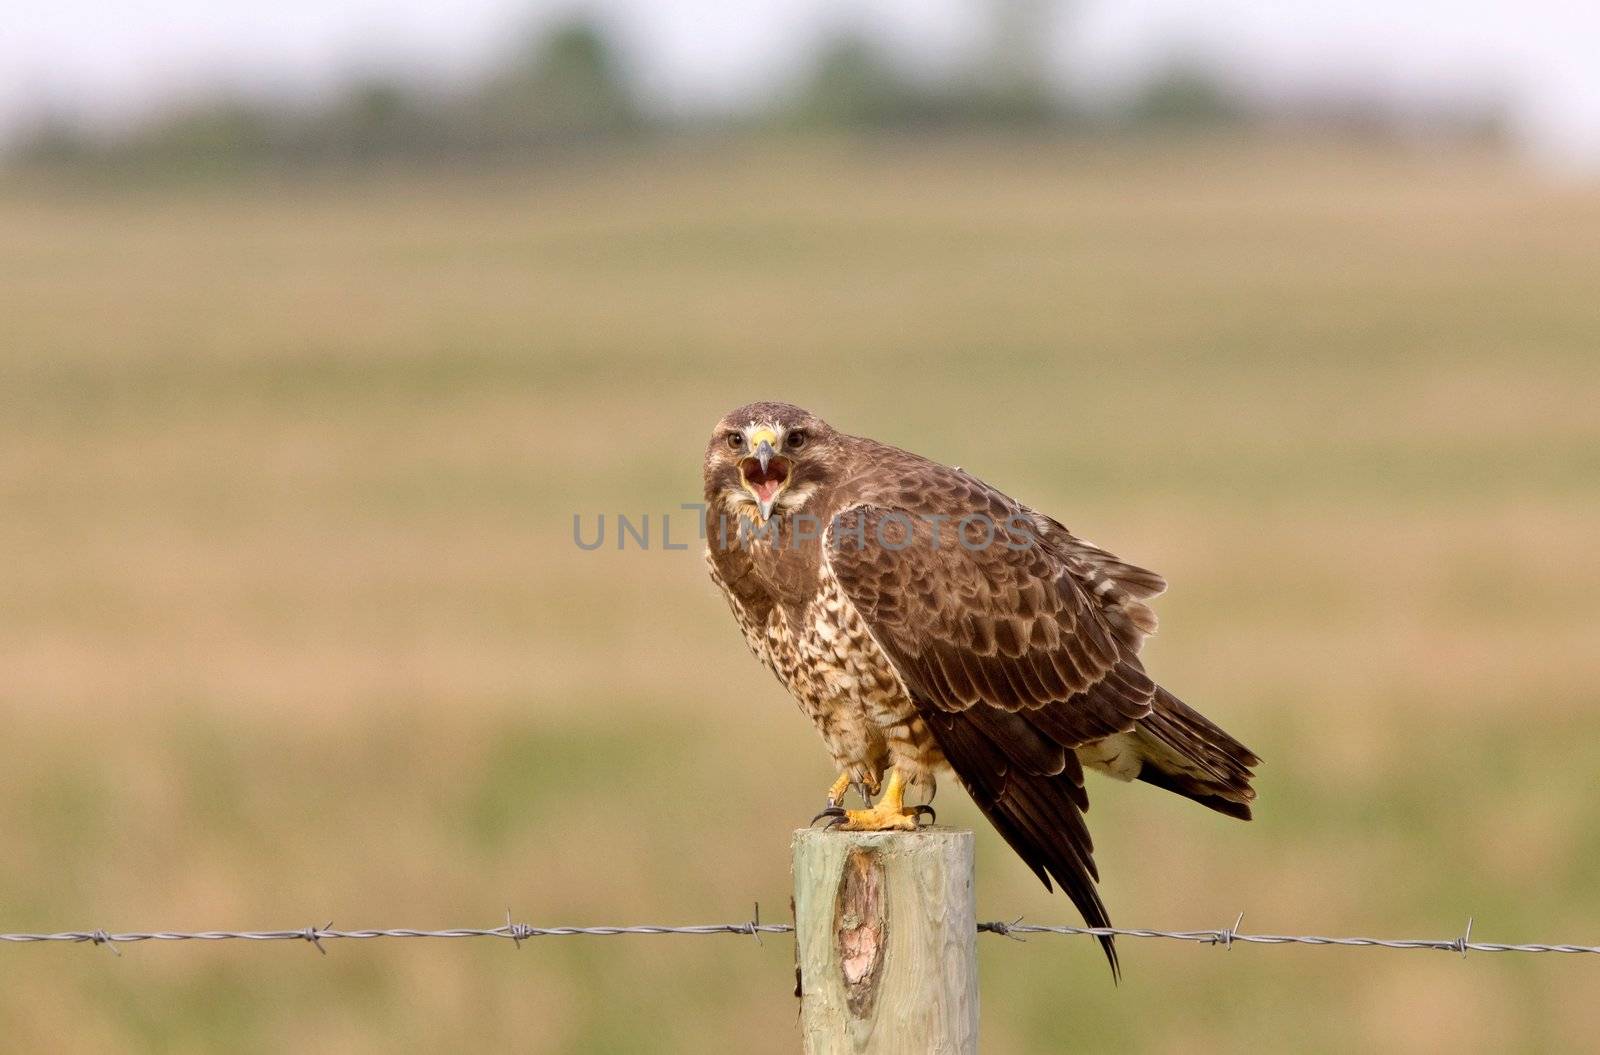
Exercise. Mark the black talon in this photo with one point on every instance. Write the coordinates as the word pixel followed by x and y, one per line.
pixel 834 813
pixel 924 810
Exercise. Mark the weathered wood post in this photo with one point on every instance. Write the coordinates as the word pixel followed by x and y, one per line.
pixel 886 942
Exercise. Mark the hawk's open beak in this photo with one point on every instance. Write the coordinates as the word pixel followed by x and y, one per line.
pixel 765 474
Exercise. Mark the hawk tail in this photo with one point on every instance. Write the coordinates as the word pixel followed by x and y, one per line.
pixel 1037 808
pixel 1185 753
pixel 1039 817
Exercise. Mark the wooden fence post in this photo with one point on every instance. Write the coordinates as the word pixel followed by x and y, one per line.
pixel 886 942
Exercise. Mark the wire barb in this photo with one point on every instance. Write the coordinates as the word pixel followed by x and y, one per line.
pixel 1225 937
pixel 755 923
pixel 313 934
pixel 1002 928
pixel 517 931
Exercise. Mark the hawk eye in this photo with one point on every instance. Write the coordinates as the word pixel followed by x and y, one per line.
pixel 735 440
pixel 795 440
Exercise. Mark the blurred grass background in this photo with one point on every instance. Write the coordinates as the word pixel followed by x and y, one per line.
pixel 293 627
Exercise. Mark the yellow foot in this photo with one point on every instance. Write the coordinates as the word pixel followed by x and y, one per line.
pixel 834 808
pixel 883 818
pixel 890 814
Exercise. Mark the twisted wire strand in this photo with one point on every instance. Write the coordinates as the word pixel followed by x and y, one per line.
pixel 1227 936
pixel 517 932
pixel 754 928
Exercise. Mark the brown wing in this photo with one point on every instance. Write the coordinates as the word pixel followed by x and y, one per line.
pixel 1120 587
pixel 1011 662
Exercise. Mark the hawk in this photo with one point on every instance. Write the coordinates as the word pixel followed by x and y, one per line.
pixel 926 621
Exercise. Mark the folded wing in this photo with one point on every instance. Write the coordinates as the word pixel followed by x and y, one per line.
pixel 1011 660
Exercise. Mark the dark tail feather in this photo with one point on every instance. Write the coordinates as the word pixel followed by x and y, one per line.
pixel 1052 848
pixel 1040 815
pixel 1186 753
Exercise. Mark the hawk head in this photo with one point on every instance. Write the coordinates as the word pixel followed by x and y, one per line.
pixel 768 457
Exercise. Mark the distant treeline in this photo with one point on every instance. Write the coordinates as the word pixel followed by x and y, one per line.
pixel 567 88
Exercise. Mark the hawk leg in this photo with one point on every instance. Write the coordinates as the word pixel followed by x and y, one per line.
pixel 867 786
pixel 890 814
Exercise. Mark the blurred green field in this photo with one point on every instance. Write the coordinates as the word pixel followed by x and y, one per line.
pixel 292 626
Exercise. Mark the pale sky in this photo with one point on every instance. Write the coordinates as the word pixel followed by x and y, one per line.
pixel 109 61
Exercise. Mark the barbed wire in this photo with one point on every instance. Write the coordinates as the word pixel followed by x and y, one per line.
pixel 315 935
pixel 517 933
pixel 1226 936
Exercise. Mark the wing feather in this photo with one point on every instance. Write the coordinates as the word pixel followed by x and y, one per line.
pixel 1011 660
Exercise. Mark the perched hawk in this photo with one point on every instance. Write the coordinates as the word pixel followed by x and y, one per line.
pixel 923 620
